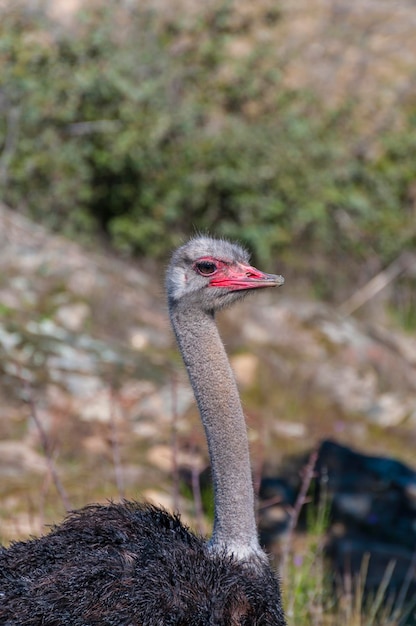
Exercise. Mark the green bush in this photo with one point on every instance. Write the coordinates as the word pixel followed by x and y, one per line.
pixel 147 127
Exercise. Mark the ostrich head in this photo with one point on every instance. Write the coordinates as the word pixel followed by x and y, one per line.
pixel 212 274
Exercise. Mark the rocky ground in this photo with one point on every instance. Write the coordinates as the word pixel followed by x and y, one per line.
pixel 89 370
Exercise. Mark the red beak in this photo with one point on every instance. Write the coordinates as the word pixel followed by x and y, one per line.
pixel 239 276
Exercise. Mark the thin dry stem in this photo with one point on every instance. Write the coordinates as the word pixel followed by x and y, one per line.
pixel 403 263
pixel 196 492
pixel 381 593
pixel 401 598
pixel 46 447
pixel 115 442
pixel 174 441
pixel 308 475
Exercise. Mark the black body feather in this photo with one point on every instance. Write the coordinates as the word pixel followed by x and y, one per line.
pixel 131 564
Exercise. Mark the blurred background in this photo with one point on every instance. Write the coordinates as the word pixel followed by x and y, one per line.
pixel 289 125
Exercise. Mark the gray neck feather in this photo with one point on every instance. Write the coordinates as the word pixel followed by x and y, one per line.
pixel 219 404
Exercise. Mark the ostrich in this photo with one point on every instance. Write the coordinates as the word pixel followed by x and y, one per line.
pixel 131 564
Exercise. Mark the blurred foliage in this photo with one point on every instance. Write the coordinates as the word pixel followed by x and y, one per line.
pixel 148 126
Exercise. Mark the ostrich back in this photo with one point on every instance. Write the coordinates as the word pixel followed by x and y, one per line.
pixel 131 564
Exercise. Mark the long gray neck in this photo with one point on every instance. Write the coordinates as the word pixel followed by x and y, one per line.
pixel 219 404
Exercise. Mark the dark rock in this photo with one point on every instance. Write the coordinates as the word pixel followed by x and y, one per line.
pixel 369 493
pixel 372 528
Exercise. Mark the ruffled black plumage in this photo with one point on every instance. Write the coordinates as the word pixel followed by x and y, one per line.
pixel 131 564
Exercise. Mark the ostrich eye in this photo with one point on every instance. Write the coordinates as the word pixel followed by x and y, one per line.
pixel 206 268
